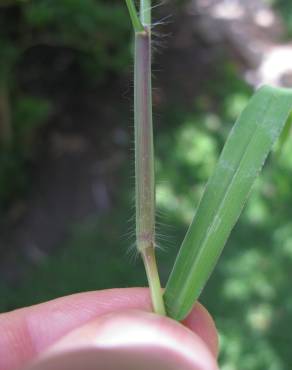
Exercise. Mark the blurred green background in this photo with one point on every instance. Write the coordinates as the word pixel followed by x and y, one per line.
pixel 66 168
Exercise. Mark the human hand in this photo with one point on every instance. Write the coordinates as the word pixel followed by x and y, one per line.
pixel 105 330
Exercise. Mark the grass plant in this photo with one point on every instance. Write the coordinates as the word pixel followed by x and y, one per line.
pixel 241 160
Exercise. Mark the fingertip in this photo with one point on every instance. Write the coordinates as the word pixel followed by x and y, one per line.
pixel 201 322
pixel 129 340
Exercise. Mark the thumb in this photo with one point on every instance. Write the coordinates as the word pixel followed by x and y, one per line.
pixel 128 340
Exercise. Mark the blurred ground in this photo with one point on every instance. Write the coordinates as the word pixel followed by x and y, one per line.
pixel 70 228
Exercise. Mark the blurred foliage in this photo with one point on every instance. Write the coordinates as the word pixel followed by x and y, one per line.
pixel 248 294
pixel 97 32
pixel 285 9
pixel 15 153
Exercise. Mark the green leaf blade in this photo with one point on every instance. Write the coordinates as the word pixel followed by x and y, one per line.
pixel 136 22
pixel 242 158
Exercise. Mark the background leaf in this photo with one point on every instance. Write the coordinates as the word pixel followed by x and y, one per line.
pixel 242 158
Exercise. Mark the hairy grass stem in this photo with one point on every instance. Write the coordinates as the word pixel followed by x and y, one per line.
pixel 144 151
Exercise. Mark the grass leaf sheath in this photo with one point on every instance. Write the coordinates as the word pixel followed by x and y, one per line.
pixel 144 151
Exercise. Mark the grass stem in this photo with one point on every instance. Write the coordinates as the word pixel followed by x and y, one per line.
pixel 150 264
pixel 145 12
pixel 144 157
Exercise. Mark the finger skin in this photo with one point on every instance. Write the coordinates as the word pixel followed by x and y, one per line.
pixel 201 323
pixel 128 340
pixel 27 332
